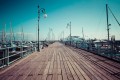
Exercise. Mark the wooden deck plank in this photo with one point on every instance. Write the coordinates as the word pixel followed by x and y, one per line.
pixel 91 70
pixel 59 65
pixel 50 72
pixel 58 62
pixel 72 71
pixel 69 74
pixel 109 76
pixel 64 74
pixel 81 77
pixel 49 77
pixel 59 77
pixel 55 76
pixel 85 68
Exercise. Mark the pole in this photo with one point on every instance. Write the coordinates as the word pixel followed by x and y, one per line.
pixel 38 28
pixel 107 21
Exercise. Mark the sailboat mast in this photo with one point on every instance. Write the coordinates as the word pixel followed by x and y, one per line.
pixel 107 21
pixel 4 34
pixel 83 33
pixel 22 34
pixel 11 35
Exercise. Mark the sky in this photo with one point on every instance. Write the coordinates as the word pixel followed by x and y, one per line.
pixel 87 14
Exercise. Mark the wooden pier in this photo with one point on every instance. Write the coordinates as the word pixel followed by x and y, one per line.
pixel 58 62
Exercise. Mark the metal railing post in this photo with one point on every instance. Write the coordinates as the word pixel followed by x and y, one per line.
pixel 7 52
pixel 21 54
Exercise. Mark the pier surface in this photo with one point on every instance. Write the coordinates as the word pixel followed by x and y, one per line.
pixel 58 62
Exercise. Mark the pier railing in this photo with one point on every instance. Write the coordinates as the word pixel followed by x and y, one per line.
pixel 12 54
pixel 107 52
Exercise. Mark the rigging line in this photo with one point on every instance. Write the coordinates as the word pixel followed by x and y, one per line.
pixel 100 21
pixel 114 16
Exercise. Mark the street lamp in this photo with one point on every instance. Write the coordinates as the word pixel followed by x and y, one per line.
pixel 69 24
pixel 45 15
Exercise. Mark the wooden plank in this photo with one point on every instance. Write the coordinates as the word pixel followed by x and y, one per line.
pixel 89 66
pixel 50 72
pixel 49 77
pixel 55 67
pixel 25 74
pixel 69 74
pixel 64 74
pixel 103 73
pixel 39 77
pixel 72 71
pixel 77 70
pixel 59 77
pixel 82 72
pixel 58 62
pixel 19 72
pixel 115 64
pixel 59 65
pixel 103 76
pixel 83 67
pixel 44 71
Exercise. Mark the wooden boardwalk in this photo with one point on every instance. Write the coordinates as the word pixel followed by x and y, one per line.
pixel 58 62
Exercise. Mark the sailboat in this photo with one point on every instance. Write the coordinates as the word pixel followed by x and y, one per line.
pixel 12 36
pixel 3 37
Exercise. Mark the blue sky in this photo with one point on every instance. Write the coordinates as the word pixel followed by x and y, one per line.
pixel 89 14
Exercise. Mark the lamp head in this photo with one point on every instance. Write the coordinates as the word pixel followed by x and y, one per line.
pixel 45 15
pixel 43 11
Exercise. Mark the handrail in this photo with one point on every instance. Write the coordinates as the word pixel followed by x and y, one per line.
pixel 7 55
pixel 106 52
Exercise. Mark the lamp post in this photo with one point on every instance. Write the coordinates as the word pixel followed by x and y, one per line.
pixel 45 15
pixel 69 24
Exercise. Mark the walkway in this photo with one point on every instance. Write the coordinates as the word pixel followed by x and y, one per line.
pixel 58 62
